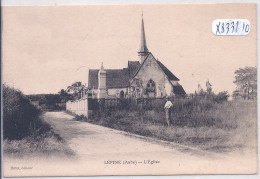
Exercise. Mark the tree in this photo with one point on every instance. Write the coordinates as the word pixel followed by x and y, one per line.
pixel 246 81
pixel 64 96
pixel 236 94
pixel 75 90
pixel 221 96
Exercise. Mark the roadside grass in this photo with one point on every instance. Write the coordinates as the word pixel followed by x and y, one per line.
pixel 217 127
pixel 42 143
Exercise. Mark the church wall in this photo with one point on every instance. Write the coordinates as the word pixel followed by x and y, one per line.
pixel 168 88
pixel 151 70
pixel 111 92
pixel 115 92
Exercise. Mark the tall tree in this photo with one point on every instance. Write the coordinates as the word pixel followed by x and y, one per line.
pixel 76 89
pixel 246 81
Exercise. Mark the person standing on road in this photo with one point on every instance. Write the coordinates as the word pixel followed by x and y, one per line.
pixel 168 105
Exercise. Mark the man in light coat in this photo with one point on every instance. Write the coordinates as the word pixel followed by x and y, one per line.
pixel 168 105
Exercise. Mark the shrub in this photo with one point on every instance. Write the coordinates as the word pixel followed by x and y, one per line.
pixel 20 117
pixel 221 97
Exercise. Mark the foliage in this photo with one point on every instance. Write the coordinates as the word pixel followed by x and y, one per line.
pixel 57 101
pixel 221 97
pixel 48 101
pixel 218 98
pixel 75 90
pixel 236 94
pixel 246 81
pixel 20 117
pixel 64 96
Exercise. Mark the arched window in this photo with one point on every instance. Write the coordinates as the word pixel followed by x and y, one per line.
pixel 150 88
pixel 150 83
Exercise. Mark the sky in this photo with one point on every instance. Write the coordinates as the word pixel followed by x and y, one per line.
pixel 47 48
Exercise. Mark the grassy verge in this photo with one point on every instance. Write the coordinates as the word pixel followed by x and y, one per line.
pixel 42 143
pixel 220 127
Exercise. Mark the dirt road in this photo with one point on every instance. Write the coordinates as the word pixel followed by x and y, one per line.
pixel 100 150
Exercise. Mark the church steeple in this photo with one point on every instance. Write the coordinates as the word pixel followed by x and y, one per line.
pixel 143 52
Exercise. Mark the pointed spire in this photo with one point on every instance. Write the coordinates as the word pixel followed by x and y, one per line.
pixel 143 50
pixel 143 40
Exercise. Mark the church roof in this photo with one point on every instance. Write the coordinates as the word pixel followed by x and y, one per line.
pixel 167 72
pixel 115 78
pixel 118 78
pixel 93 78
pixel 133 67
pixel 178 89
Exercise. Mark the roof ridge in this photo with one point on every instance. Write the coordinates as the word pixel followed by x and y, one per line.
pixel 143 63
pixel 167 70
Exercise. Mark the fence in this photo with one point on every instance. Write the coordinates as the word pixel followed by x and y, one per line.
pixel 122 103
pixel 86 106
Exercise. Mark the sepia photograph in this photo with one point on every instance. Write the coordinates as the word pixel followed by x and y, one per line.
pixel 137 89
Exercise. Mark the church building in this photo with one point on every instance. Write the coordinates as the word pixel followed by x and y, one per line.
pixel 146 78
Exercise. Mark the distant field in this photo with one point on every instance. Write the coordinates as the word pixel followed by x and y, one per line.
pixel 218 127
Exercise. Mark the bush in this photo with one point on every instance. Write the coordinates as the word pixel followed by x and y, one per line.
pixel 20 117
pixel 221 97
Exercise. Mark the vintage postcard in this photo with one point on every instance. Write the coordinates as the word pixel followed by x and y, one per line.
pixel 95 90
